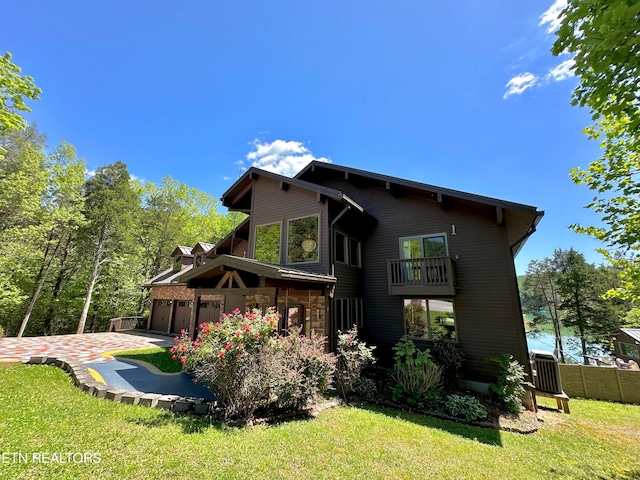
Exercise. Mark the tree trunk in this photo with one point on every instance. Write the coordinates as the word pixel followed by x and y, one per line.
pixel 44 271
pixel 92 281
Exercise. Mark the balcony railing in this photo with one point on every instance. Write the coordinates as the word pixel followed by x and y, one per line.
pixel 432 276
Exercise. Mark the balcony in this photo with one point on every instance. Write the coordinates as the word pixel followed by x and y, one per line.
pixel 430 277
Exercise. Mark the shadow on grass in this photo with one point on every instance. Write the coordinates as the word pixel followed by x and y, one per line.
pixel 190 424
pixel 488 436
pixel 624 475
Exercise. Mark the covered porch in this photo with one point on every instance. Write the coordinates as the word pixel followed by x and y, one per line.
pixel 229 282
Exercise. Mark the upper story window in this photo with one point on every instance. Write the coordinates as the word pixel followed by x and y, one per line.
pixel 424 246
pixel 267 243
pixel 355 252
pixel 303 240
pixel 198 260
pixel 341 248
pixel 177 262
pixel 348 250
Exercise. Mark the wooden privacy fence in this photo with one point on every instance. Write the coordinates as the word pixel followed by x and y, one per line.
pixel 601 383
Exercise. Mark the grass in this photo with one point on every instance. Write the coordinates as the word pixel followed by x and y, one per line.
pixel 41 411
pixel 157 356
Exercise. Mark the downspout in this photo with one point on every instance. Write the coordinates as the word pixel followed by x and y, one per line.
pixel 333 268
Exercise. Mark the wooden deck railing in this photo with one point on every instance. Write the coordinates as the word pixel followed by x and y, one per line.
pixel 120 324
pixel 428 276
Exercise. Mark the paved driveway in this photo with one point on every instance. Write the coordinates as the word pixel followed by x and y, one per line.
pixel 85 348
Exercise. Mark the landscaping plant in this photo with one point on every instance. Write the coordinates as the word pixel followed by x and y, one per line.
pixel 414 371
pixel 247 365
pixel 508 387
pixel 448 355
pixel 465 406
pixel 353 355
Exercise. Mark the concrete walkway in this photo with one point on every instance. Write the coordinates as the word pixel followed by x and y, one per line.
pixel 92 350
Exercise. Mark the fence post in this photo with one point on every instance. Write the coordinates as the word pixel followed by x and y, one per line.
pixel 584 381
pixel 620 389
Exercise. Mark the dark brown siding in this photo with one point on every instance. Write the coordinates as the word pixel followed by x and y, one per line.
pixel 488 314
pixel 271 204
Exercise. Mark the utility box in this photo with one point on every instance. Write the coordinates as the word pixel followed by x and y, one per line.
pixel 546 376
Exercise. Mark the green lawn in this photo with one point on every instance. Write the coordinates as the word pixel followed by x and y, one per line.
pixel 156 356
pixel 41 411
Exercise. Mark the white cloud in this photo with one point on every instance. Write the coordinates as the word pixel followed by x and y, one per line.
pixel 562 71
pixel 520 83
pixel 281 157
pixel 552 17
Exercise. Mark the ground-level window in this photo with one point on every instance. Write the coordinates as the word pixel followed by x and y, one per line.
pixel 429 319
pixel 629 350
pixel 303 239
pixel 267 243
pixel 348 312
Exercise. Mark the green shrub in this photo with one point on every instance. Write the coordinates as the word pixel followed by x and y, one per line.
pixel 353 355
pixel 366 389
pixel 508 387
pixel 465 406
pixel 449 356
pixel 413 370
pixel 1 331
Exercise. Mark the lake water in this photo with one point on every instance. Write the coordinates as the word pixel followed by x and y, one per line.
pixel 546 341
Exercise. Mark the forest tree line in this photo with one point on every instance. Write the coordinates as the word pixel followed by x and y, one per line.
pixel 564 293
pixel 77 246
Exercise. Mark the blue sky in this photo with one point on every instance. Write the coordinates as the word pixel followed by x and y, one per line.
pixel 464 95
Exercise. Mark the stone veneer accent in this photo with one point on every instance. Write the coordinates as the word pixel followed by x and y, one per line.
pixel 83 380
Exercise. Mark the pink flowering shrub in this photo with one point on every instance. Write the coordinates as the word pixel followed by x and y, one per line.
pixel 247 364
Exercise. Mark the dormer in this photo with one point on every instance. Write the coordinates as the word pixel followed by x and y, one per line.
pixel 182 257
pixel 199 252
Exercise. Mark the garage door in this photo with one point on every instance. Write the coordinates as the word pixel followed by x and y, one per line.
pixel 160 315
pixel 181 316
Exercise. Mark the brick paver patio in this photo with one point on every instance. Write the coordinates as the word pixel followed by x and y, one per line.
pixel 85 348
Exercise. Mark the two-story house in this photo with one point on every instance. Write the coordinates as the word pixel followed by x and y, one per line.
pixel 336 246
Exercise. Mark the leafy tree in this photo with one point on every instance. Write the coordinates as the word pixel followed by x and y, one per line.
pixel 541 297
pixel 14 89
pixel 110 206
pixel 61 213
pixel 603 37
pixel 581 287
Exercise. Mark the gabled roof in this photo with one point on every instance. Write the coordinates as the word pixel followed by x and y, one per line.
pixel 389 182
pixel 316 171
pixel 181 250
pixel 202 247
pixel 268 270
pixel 238 196
pixel 168 277
pixel 632 332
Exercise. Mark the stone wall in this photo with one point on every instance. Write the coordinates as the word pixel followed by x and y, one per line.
pixel 172 292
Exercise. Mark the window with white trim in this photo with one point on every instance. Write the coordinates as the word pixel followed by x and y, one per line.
pixel 424 246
